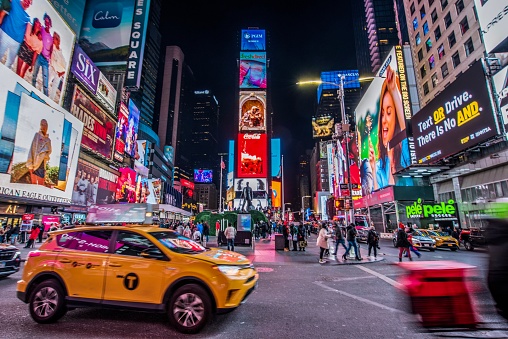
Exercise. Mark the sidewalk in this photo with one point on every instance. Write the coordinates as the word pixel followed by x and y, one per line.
pixel 264 251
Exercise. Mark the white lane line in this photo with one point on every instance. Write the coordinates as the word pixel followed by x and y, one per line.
pixel 382 277
pixel 367 301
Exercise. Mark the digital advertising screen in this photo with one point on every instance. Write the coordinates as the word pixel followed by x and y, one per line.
pixel 132 129
pixel 276 158
pixel 276 194
pixel 252 112
pixel 244 187
pixel 252 156
pixel 107 187
pixel 381 120
pixel 203 176
pixel 106 30
pixel 86 184
pixel 39 143
pixel 106 92
pixel 243 222
pixel 460 117
pixel 493 19
pixel 501 88
pixel 126 186
pixel 253 70
pixel 122 126
pixel 85 70
pixel 322 126
pixel 19 57
pixel 256 204
pixel 187 188
pixel 99 127
pixel 253 40
pixel 71 12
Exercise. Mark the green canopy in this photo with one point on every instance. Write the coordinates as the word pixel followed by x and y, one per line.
pixel 229 217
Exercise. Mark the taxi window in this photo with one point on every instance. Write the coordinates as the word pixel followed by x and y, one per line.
pixel 132 244
pixel 178 243
pixel 87 241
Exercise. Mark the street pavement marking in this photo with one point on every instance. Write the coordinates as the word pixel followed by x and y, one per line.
pixel 382 277
pixel 367 301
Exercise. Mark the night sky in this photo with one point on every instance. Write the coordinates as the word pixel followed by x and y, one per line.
pixel 304 40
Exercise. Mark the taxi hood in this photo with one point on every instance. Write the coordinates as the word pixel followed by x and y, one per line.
pixel 222 257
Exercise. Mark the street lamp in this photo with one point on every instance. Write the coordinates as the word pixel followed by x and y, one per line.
pixel 303 207
pixel 344 123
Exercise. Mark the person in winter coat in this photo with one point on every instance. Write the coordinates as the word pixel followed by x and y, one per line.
pixel 322 242
pixel 302 243
pixel 372 240
pixel 402 242
pixel 294 237
pixel 351 239
pixel 339 239
pixel 286 235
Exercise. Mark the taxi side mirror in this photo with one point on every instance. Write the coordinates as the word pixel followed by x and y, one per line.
pixel 153 253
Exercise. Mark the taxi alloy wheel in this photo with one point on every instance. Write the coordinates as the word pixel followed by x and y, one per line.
pixel 47 303
pixel 190 308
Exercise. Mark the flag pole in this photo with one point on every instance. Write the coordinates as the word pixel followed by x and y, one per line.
pixel 220 188
pixel 282 190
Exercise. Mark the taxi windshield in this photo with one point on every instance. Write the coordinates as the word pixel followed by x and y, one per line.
pixel 178 243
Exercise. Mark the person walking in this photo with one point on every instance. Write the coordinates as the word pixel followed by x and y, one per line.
pixel 339 239
pixel 322 242
pixel 206 233
pixel 294 237
pixel 302 243
pixel 372 240
pixel 187 232
pixel 402 242
pixel 33 235
pixel 41 232
pixel 286 235
pixel 230 234
pixel 351 239
pixel 14 234
pixel 413 249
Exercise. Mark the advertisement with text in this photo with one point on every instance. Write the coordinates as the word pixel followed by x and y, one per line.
pixel 252 112
pixel 253 40
pixel 493 18
pixel 322 126
pixel 253 70
pixel 37 45
pixel 39 143
pixel 252 156
pixel 381 120
pixel 459 117
pixel 122 126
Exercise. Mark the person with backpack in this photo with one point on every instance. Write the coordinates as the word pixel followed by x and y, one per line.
pixel 372 240
pixel 402 242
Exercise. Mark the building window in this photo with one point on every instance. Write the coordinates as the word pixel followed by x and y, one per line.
pixel 425 28
pixel 415 24
pixel 447 20
pixel 428 43
pixel 432 62
pixel 423 71
pixel 434 80
pixel 433 15
pixel 418 39
pixel 444 3
pixel 451 39
pixel 412 8
pixel 437 33
pixel 459 5
pixel 444 70
pixel 426 88
pixel 420 54
pixel 456 59
pixel 469 47
pixel 422 12
pixel 464 26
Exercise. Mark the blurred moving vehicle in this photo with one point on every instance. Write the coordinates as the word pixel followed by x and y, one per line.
pixel 473 237
pixel 443 240
pixel 362 233
pixel 10 258
pixel 139 267
pixel 420 241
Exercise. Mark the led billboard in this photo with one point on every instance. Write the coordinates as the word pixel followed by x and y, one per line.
pixel 322 126
pixel 276 158
pixel 257 204
pixel 276 194
pixel 99 128
pixel 122 126
pixel 253 40
pixel 126 186
pixel 86 184
pixel 203 176
pixel 39 143
pixel 253 70
pixel 71 12
pixel 252 156
pixel 493 19
pixel 106 31
pixel 460 117
pixel 57 41
pixel 381 119
pixel 132 129
pixel 106 92
pixel 501 87
pixel 252 112
pixel 85 70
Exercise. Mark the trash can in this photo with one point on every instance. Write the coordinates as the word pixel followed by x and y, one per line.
pixel 279 242
pixel 439 292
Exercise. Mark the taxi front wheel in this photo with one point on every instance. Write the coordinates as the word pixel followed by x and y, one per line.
pixel 47 302
pixel 189 309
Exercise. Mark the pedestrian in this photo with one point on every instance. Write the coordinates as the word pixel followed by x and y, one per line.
pixel 33 236
pixel 351 240
pixel 230 234
pixel 196 236
pixel 41 232
pixel 269 230
pixel 413 249
pixel 339 239
pixel 217 228
pixel 372 240
pixel 2 235
pixel 402 242
pixel 322 242
pixel 302 243
pixel 286 234
pixel 187 232
pixel 294 237
pixel 206 233
pixel 14 234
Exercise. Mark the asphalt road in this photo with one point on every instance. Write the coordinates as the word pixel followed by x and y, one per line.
pixel 295 299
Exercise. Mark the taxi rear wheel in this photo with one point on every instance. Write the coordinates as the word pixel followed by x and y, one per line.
pixel 47 302
pixel 190 308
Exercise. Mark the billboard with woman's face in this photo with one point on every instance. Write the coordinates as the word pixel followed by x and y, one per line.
pixel 381 126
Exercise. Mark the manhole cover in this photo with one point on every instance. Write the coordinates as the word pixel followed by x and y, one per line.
pixel 264 269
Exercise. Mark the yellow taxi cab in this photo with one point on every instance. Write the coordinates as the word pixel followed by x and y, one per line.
pixel 443 240
pixel 135 267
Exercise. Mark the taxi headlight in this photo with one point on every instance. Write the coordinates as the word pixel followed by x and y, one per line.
pixel 232 271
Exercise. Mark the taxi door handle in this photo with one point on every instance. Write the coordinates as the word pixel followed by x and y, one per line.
pixel 115 265
pixel 65 261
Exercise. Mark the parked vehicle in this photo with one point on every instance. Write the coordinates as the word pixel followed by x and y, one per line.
pixel 443 240
pixel 472 237
pixel 420 241
pixel 362 233
pixel 10 258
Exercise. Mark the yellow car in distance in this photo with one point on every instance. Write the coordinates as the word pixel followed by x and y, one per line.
pixel 443 240
pixel 142 268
